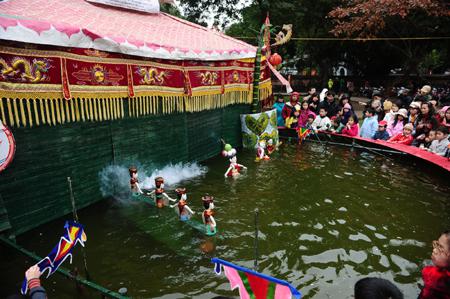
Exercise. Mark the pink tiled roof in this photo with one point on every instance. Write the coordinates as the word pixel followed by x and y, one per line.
pixel 77 23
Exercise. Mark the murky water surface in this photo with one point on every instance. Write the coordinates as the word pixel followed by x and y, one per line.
pixel 327 217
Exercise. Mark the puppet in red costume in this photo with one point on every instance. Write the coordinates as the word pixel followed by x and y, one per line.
pixel 181 208
pixel 290 107
pixel 161 198
pixel 234 168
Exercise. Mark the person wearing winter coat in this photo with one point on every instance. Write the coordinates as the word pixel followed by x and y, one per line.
pixel 370 124
pixel 381 134
pixel 405 137
pixel 321 122
pixel 351 128
pixel 396 126
pixel 440 144
pixel 279 105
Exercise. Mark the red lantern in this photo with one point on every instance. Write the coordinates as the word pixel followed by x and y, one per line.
pixel 275 59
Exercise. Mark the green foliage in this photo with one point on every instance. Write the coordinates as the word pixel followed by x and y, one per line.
pixel 171 10
pixel 433 60
pixel 257 126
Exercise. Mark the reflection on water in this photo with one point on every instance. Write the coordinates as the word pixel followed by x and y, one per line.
pixel 327 217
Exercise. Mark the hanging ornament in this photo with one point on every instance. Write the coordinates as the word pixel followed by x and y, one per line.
pixel 275 59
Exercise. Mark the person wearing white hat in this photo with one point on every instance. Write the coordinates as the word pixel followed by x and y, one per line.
pixel 396 126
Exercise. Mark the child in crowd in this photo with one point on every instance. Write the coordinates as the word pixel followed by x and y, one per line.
pixel 370 124
pixel 310 121
pixel 405 137
pixel 336 125
pixel 304 114
pixel 440 144
pixel 322 122
pixel 351 128
pixel 444 116
pixel 347 112
pixel 381 134
pixel 436 278
pixel 396 126
pixel 390 116
pixel 292 121
pixel 427 141
pixel 314 103
pixel 387 106
pixel 279 105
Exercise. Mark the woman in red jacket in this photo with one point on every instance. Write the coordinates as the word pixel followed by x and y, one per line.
pixel 405 137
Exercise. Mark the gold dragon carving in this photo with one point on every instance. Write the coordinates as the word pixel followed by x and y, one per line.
pixel 209 78
pixel 151 76
pixel 32 73
pixel 281 37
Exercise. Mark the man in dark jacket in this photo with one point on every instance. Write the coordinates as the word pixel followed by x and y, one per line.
pixel 330 105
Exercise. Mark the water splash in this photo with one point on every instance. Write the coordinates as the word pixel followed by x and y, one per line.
pixel 174 173
pixel 115 179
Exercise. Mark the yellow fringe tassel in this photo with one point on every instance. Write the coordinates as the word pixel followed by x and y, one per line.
pixel 77 109
pixel 58 110
pixel 52 108
pixel 2 111
pixel 62 111
pixel 41 105
pixel 67 108
pixel 47 113
pixel 22 112
pixel 16 113
pixel 36 114
pixel 10 113
pixel 90 110
pixel 107 108
pixel 72 110
pixel 82 109
pixel 30 118
pixel 100 110
pixel 95 101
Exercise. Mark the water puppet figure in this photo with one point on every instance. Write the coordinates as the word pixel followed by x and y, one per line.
pixel 228 151
pixel 234 169
pixel 209 222
pixel 272 147
pixel 208 201
pixel 161 198
pixel 181 208
pixel 260 151
pixel 134 181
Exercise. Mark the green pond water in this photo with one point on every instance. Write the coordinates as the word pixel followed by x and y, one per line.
pixel 327 217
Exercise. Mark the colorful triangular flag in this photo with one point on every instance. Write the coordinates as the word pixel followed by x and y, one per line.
pixel 254 285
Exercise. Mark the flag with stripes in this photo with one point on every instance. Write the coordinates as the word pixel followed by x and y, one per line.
pixel 303 133
pixel 255 285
